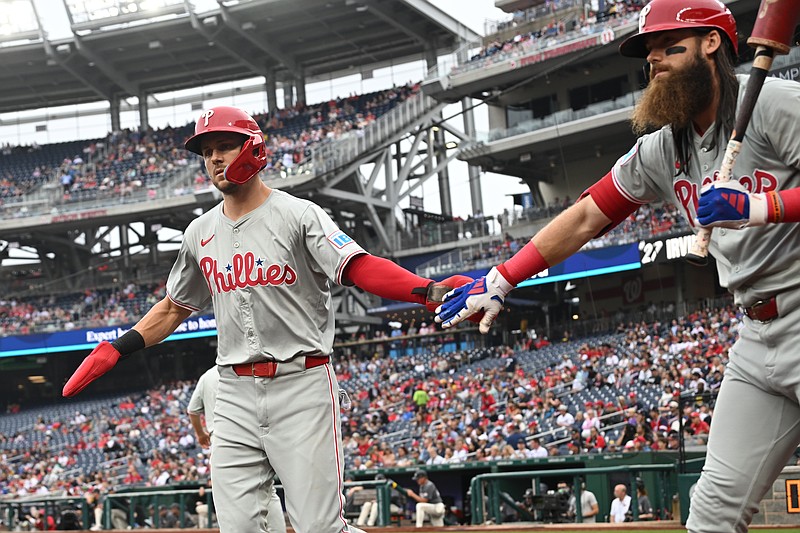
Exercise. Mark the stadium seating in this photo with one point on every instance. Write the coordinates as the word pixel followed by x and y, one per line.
pixel 98 438
pixel 128 161
pixel 27 167
pixel 472 397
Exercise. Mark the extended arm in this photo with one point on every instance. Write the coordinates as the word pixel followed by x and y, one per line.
pixel 561 238
pixel 568 232
pixel 388 280
pixel 159 322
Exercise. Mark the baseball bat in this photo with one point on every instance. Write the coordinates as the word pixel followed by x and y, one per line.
pixel 772 33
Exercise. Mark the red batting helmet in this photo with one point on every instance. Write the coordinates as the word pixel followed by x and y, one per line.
pixel 253 156
pixel 663 15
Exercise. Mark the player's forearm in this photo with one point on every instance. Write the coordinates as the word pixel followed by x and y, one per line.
pixel 561 238
pixel 570 230
pixel 790 199
pixel 197 424
pixel 161 321
pixel 384 278
pixel 414 496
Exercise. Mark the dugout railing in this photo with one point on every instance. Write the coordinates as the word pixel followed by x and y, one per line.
pixel 486 489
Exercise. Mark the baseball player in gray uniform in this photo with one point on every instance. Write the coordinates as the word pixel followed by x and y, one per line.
pixel 266 261
pixel 691 101
pixel 202 402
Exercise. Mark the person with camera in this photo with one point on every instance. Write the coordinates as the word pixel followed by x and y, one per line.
pixel 528 504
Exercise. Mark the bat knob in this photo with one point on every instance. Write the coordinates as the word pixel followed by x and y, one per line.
pixel 697 260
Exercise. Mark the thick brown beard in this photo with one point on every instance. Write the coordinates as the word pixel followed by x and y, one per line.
pixel 675 99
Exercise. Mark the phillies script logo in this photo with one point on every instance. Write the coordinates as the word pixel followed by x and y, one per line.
pixel 244 271
pixel 686 191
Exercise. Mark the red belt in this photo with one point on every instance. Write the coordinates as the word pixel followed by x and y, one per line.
pixel 762 310
pixel 267 369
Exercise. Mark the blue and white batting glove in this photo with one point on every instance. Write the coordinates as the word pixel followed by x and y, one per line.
pixel 729 205
pixel 484 294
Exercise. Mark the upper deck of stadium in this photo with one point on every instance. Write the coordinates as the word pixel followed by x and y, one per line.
pixel 129 50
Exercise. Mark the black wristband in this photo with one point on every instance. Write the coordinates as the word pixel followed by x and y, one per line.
pixel 422 291
pixel 129 343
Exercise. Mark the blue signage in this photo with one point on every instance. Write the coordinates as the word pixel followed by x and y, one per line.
pixel 582 265
pixel 590 263
pixel 83 339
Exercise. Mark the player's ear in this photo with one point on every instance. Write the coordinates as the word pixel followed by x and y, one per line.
pixel 710 42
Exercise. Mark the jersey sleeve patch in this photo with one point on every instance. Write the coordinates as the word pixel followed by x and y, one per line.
pixel 627 157
pixel 340 239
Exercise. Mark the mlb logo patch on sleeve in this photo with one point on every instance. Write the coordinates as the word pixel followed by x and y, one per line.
pixel 340 239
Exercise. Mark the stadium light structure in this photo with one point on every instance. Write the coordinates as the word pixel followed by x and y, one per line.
pixel 18 21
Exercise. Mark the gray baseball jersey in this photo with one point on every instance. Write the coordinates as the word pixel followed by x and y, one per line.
pixel 755 426
pixel 753 263
pixel 204 397
pixel 268 276
pixel 429 491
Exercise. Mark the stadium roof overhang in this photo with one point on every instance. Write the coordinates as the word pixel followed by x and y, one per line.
pixel 285 39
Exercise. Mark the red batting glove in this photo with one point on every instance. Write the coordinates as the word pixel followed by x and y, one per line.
pixel 101 360
pixel 457 281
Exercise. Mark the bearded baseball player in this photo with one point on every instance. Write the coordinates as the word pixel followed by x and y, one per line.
pixel 266 261
pixel 691 102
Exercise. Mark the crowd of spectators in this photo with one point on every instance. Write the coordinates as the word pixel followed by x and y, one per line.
pixel 453 413
pixel 110 307
pixel 559 29
pixel 646 222
pixel 141 440
pixel 123 163
pixel 24 168
pixel 488 405
pixel 89 309
pixel 292 132
pixel 128 161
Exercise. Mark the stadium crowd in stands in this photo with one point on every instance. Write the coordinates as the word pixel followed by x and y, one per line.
pixel 618 392
pixel 559 29
pixel 128 161
pixel 88 309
